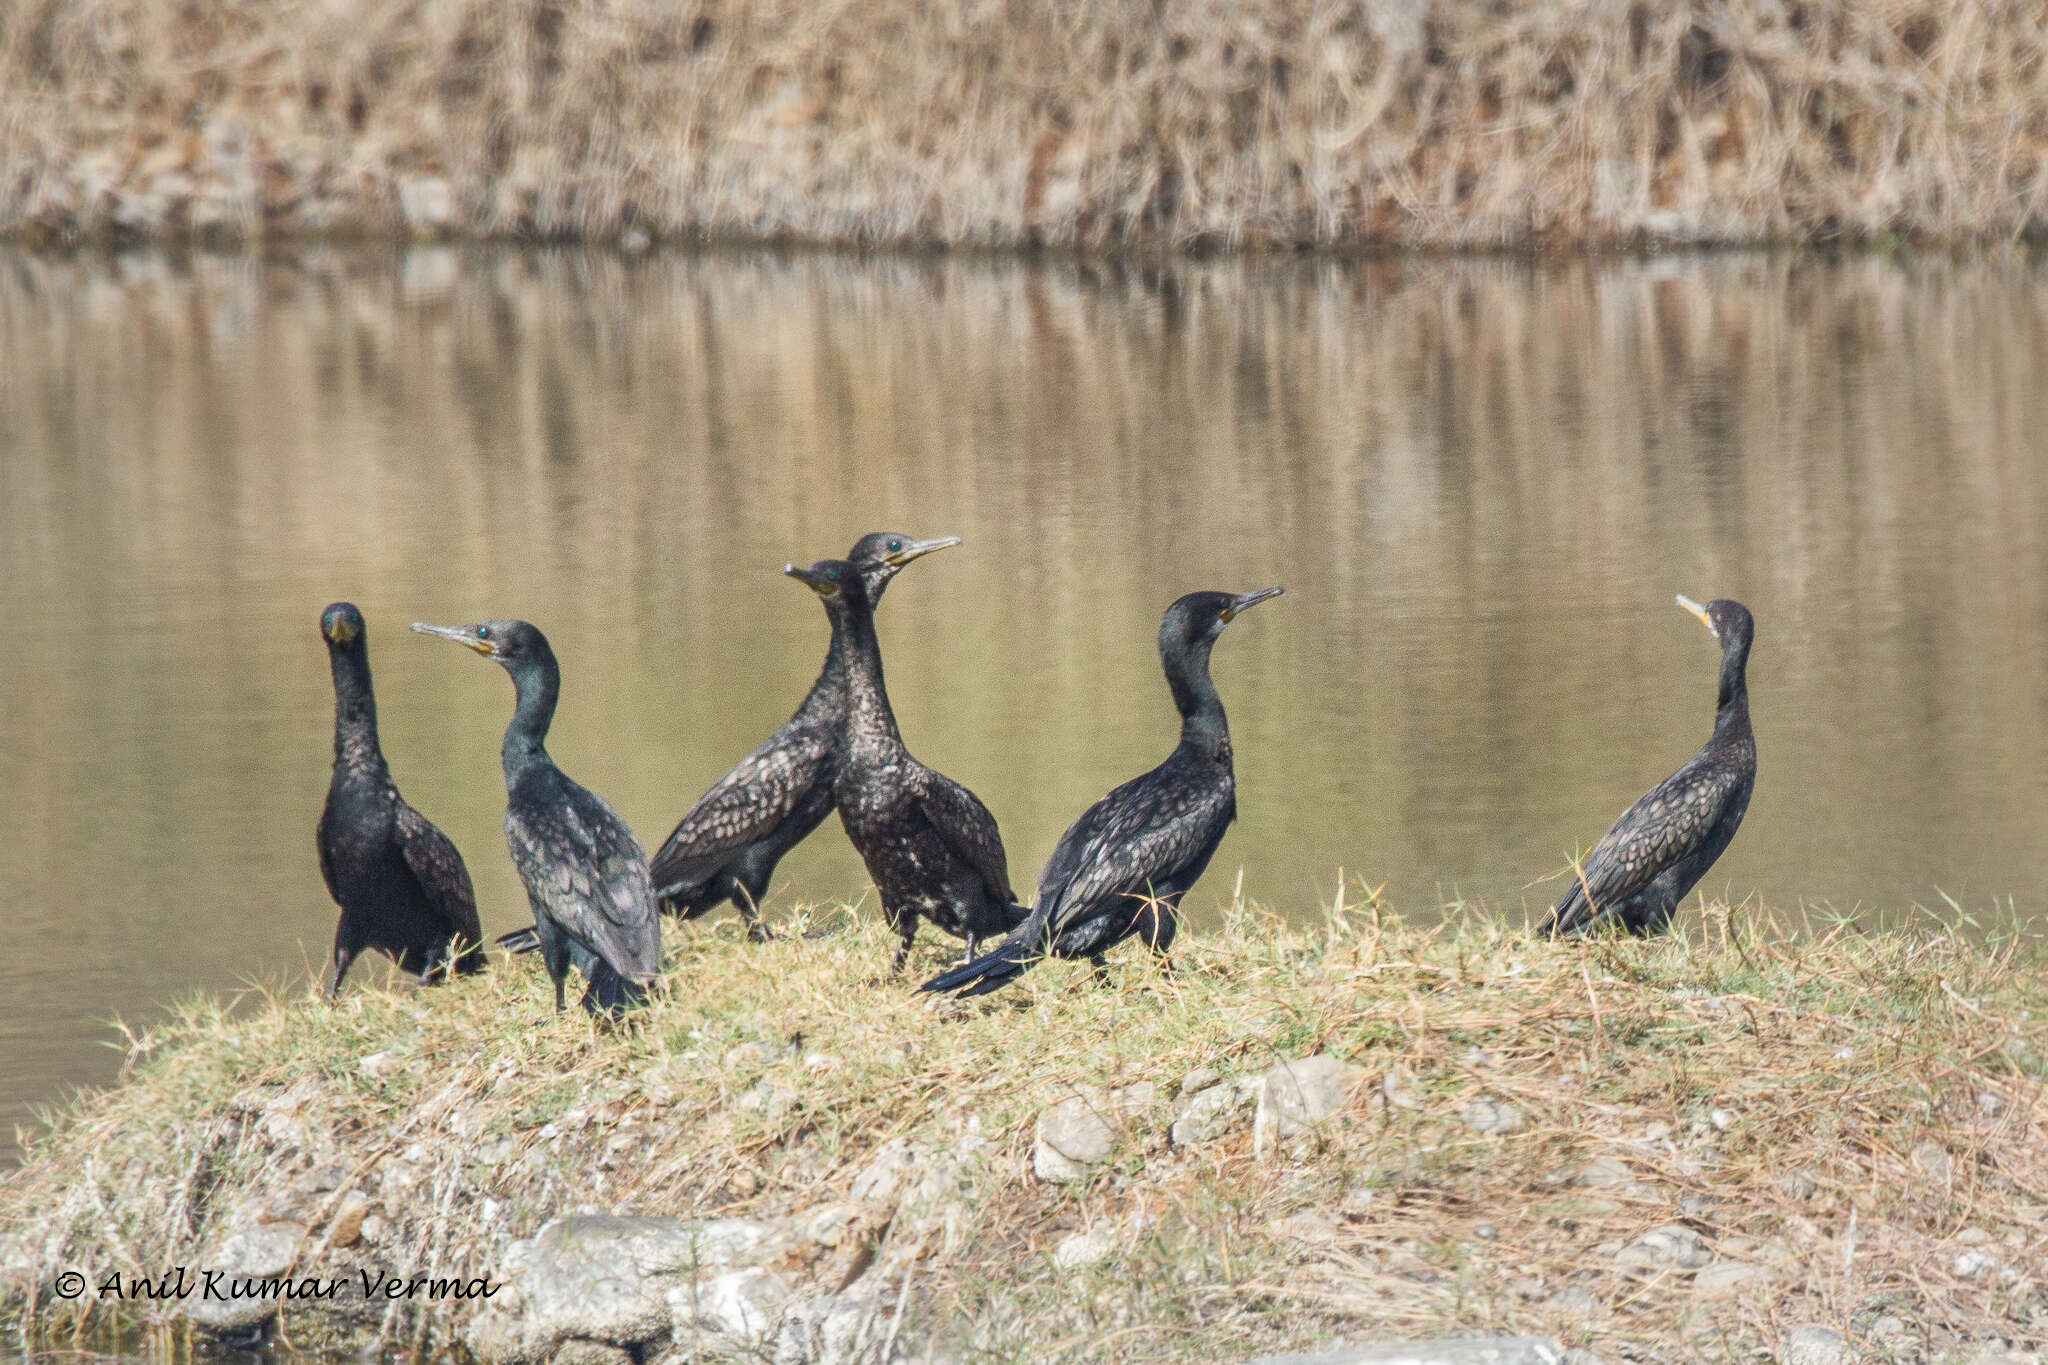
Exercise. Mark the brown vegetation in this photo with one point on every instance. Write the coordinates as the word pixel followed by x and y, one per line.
pixel 1624 1143
pixel 1073 123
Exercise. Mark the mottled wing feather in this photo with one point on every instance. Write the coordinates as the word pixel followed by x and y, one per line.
pixel 1670 821
pixel 326 863
pixel 585 867
pixel 1138 841
pixel 440 872
pixel 968 829
pixel 743 806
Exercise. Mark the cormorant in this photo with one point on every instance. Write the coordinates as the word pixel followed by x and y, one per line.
pixel 1120 870
pixel 584 872
pixel 400 884
pixel 1663 844
pixel 929 844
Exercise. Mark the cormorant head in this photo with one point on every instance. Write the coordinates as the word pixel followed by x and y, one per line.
pixel 1728 619
pixel 1200 617
pixel 879 554
pixel 835 580
pixel 342 626
pixel 511 643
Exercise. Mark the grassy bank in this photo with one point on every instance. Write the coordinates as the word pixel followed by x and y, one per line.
pixel 1618 1144
pixel 1072 124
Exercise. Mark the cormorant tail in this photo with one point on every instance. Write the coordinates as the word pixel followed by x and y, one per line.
pixel 1015 915
pixel 991 971
pixel 609 993
pixel 525 940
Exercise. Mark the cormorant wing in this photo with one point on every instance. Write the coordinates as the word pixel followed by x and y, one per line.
pixel 583 864
pixel 439 870
pixel 743 806
pixel 326 864
pixel 1670 821
pixel 968 829
pixel 1140 840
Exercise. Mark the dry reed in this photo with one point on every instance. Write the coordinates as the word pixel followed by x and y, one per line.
pixel 1467 123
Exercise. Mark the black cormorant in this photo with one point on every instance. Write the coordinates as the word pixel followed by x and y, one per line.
pixel 726 847
pixel 929 844
pixel 584 872
pixel 1120 870
pixel 1663 844
pixel 400 884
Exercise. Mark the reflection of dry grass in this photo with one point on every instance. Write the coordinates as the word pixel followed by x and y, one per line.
pixel 1843 1114
pixel 1072 123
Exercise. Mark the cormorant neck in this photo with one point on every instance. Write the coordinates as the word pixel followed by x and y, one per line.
pixel 1731 707
pixel 869 716
pixel 538 682
pixel 355 709
pixel 831 683
pixel 1202 723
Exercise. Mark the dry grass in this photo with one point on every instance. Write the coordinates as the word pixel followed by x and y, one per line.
pixel 1846 1112
pixel 1417 122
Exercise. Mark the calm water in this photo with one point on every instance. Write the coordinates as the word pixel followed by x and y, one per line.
pixel 1481 482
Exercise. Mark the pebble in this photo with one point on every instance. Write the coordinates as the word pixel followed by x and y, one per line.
pixel 1816 1345
pixel 1489 1115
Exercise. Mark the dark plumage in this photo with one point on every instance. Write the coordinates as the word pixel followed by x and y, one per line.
pixel 1663 844
pixel 584 872
pixel 726 847
pixel 400 884
pixel 931 847
pixel 1120 870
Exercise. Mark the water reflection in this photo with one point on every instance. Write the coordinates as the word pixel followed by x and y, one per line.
pixel 1481 482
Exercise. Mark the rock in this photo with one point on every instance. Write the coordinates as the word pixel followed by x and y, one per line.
pixel 248 1259
pixel 1296 1096
pixel 906 1173
pixel 1489 1115
pixel 1970 1264
pixel 1213 1111
pixel 1798 1184
pixel 1201 1078
pixel 740 1303
pixel 1672 1247
pixel 770 1098
pixel 347 1223
pixel 1722 1119
pixel 605 1278
pixel 378 1065
pixel 1603 1173
pixel 1528 1289
pixel 1816 1345
pixel 1082 1249
pixel 1079 1133
pixel 830 1329
pixel 428 203
pixel 755 1052
pixel 1449 1351
pixel 579 1352
pixel 1576 1303
pixel 1931 1161
pixel 1725 1280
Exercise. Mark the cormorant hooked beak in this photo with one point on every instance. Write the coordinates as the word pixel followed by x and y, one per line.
pixel 917 549
pixel 826 587
pixel 461 635
pixel 1697 610
pixel 1246 600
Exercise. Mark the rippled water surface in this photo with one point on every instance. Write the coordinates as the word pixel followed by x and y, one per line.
pixel 1481 482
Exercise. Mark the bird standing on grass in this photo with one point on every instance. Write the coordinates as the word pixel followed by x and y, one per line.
pixel 1663 844
pixel 1120 870
pixel 400 884
pixel 584 872
pixel 929 844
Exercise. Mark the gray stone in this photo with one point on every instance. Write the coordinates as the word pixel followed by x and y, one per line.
pixel 1576 1303
pixel 739 1303
pixel 1082 1249
pixel 1605 1173
pixel 1798 1184
pixel 1816 1345
pixel 1489 1115
pixel 1214 1111
pixel 1449 1351
pixel 580 1352
pixel 1725 1280
pixel 428 203
pixel 1201 1078
pixel 1968 1265
pixel 1296 1096
pixel 1672 1247
pixel 1078 1134
pixel 603 1278
pixel 254 1262
pixel 1933 1162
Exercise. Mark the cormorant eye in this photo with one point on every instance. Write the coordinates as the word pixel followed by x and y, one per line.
pixel 895 545
pixel 483 632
